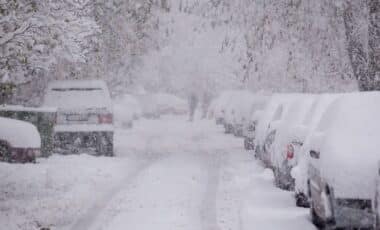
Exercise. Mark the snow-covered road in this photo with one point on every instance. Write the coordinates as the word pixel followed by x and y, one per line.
pixel 168 174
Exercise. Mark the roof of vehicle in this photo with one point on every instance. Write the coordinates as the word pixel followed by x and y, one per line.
pixel 19 134
pixel 78 95
pixel 349 145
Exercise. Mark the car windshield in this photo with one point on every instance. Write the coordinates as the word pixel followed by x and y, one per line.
pixel 75 89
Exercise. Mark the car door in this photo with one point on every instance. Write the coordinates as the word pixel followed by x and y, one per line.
pixel 315 182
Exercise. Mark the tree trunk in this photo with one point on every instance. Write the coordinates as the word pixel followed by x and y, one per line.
pixel 374 43
pixel 356 51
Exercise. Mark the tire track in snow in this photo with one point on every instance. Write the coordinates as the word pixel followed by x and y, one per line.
pixel 208 212
pixel 94 212
pixel 96 209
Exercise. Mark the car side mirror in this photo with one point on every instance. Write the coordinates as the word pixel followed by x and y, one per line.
pixel 314 154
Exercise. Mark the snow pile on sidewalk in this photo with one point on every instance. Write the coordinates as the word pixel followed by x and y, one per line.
pixel 248 198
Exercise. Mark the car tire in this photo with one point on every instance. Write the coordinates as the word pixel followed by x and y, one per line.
pixel 105 145
pixel 302 200
pixel 277 180
pixel 315 219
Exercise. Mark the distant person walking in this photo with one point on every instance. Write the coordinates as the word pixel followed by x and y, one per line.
pixel 193 103
pixel 206 101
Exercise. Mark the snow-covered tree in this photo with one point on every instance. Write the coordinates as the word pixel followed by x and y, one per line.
pixel 35 35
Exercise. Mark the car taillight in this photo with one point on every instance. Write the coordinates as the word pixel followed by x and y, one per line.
pixel 289 151
pixel 33 152
pixel 105 118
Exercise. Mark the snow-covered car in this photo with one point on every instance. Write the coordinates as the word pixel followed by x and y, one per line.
pixel 19 141
pixel 282 158
pixel 219 106
pixel 344 150
pixel 248 104
pixel 266 128
pixel 249 131
pixel 236 110
pixel 126 109
pixel 170 104
pixel 84 116
pixel 299 143
pixel 249 126
pixel 154 105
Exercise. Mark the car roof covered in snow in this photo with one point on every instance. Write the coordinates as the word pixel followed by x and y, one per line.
pixel 349 144
pixel 78 94
pixel 19 134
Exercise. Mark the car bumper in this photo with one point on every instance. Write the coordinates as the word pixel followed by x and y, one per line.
pixel 81 141
pixel 83 128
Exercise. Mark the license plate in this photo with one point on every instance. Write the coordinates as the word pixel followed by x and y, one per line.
pixel 77 117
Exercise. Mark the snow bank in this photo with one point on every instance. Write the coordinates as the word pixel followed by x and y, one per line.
pixel 57 191
pixel 19 134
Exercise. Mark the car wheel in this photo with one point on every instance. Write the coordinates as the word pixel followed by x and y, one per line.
pixel 315 219
pixel 301 200
pixel 277 181
pixel 105 145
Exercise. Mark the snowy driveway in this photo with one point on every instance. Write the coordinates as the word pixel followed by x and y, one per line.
pixel 168 174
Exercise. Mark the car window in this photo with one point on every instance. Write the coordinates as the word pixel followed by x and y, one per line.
pixel 75 89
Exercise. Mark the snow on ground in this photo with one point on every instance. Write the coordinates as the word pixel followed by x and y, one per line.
pixel 168 174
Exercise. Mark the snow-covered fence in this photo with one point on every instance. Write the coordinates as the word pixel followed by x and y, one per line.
pixel 42 118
